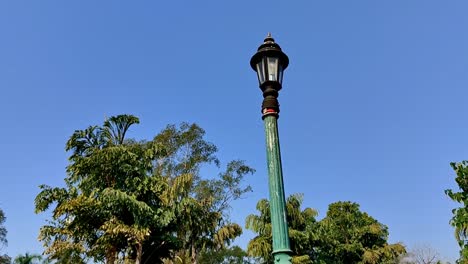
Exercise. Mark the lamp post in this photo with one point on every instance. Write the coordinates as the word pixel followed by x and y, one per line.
pixel 269 62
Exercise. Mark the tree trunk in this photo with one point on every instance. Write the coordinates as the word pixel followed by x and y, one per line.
pixel 139 251
pixel 194 254
pixel 111 255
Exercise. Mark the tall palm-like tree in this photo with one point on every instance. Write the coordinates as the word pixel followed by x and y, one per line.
pixel 103 210
pixel 299 221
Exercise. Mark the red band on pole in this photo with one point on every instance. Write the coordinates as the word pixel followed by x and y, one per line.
pixel 269 111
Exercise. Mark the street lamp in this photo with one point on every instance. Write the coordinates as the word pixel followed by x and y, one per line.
pixel 269 62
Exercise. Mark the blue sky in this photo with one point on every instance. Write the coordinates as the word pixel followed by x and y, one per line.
pixel 372 108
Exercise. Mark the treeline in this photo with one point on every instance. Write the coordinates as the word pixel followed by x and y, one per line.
pixel 145 201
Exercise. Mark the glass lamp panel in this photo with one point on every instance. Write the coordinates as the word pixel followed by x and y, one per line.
pixel 272 69
pixel 261 72
pixel 280 74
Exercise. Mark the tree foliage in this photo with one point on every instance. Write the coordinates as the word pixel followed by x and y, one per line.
pixel 460 215
pixel 4 259
pixel 28 259
pixel 299 222
pixel 139 201
pixel 346 235
pixel 202 222
pixel 3 230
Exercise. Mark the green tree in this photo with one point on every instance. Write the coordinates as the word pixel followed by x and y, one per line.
pixel 347 235
pixel 460 215
pixel 4 259
pixel 299 221
pixel 138 201
pixel 3 230
pixel 28 259
pixel 203 219
pixel 112 201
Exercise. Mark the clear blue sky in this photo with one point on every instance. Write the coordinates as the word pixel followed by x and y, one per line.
pixel 373 105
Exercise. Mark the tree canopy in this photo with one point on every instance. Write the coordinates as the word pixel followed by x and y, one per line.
pixel 345 235
pixel 460 215
pixel 231 255
pixel 298 222
pixel 4 259
pixel 139 201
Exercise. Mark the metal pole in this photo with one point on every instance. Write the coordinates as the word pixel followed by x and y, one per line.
pixel 269 62
pixel 281 248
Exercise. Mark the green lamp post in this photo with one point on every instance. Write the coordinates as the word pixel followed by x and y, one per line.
pixel 269 62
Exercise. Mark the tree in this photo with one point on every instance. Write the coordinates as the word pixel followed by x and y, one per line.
pixel 460 215
pixel 344 236
pixel 100 213
pixel 139 201
pixel 27 259
pixel 4 259
pixel 347 235
pixel 203 219
pixel 299 221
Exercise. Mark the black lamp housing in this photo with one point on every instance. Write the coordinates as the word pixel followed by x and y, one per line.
pixel 269 62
